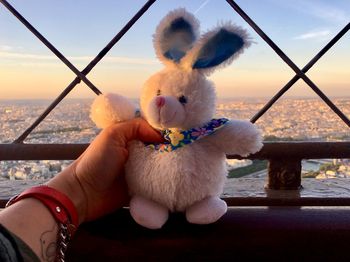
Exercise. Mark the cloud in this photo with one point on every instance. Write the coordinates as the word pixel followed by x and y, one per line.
pixel 77 59
pixel 12 55
pixel 319 35
pixel 9 48
pixel 6 48
pixel 118 59
pixel 326 11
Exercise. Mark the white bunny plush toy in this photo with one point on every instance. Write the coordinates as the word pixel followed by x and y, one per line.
pixel 187 172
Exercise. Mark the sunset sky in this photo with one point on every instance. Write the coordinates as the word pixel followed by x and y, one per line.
pixel 81 28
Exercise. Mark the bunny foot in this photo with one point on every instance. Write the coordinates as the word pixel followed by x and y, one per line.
pixel 148 213
pixel 206 211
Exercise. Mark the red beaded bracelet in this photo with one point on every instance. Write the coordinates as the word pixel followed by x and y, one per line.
pixel 62 209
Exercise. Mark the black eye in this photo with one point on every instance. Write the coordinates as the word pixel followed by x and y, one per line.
pixel 182 99
pixel 158 92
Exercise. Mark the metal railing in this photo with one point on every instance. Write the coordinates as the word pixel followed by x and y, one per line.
pixel 284 158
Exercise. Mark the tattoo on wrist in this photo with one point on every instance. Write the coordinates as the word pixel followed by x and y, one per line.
pixel 48 244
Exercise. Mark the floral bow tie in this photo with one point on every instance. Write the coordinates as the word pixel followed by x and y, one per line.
pixel 177 139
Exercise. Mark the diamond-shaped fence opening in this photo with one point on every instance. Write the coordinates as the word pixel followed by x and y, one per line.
pixel 81 75
pixel 281 125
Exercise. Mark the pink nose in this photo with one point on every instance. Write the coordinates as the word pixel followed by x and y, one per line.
pixel 160 101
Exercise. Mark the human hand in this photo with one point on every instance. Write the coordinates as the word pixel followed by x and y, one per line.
pixel 95 181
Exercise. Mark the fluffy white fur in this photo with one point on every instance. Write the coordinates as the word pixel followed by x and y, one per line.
pixel 172 83
pixel 111 108
pixel 191 178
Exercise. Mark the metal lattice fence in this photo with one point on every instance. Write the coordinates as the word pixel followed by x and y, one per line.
pixel 82 75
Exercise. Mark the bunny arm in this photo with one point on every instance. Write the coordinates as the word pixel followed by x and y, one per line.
pixel 112 108
pixel 237 137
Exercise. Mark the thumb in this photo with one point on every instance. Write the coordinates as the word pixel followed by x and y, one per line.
pixel 136 129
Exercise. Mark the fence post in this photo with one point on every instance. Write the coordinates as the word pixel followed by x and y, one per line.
pixel 284 174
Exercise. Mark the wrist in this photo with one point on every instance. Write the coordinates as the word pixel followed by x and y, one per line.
pixel 30 220
pixel 61 208
pixel 67 183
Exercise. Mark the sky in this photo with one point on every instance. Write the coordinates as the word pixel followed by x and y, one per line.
pixel 80 29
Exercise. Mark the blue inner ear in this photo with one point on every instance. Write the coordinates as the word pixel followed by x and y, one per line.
pixel 219 48
pixel 177 39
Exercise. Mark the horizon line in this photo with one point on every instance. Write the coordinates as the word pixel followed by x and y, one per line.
pixel 219 98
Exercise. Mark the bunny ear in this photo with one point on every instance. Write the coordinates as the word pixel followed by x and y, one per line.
pixel 218 47
pixel 175 35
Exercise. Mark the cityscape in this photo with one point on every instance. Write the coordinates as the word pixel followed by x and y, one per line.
pixel 290 119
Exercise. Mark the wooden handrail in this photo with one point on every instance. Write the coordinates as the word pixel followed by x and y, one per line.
pixel 271 150
pixel 284 158
pixel 41 151
pixel 243 234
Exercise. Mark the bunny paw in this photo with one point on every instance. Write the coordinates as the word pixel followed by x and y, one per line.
pixel 252 142
pixel 111 108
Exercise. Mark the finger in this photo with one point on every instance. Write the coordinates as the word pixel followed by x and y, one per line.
pixel 136 129
pixel 121 193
